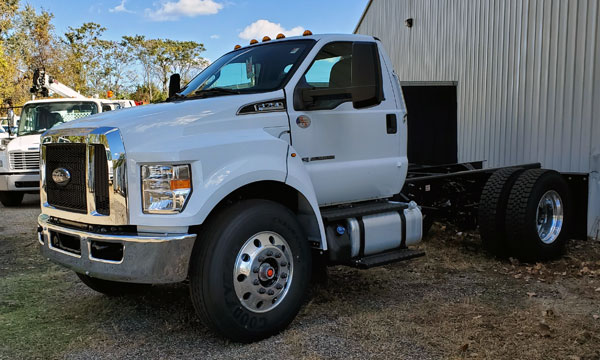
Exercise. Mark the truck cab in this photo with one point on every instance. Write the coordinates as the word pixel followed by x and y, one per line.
pixel 279 156
pixel 19 156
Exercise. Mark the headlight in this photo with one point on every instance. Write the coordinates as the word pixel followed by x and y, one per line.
pixel 165 188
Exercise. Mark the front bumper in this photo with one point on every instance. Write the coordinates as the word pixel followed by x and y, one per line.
pixel 26 181
pixel 145 258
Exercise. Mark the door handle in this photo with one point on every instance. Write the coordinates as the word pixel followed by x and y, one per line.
pixel 391 123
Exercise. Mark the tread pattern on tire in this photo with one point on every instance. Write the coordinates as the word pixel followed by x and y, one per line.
pixel 522 245
pixel 492 210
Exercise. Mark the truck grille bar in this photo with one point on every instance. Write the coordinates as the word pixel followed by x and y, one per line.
pixel 25 160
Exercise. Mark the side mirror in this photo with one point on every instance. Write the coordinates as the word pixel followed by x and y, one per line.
pixel 11 118
pixel 174 84
pixel 366 75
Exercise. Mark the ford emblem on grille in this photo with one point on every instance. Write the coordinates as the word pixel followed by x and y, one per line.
pixel 61 176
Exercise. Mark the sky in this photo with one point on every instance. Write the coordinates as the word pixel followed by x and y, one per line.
pixel 218 24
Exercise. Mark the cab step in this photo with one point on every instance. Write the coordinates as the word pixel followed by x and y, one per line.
pixel 385 258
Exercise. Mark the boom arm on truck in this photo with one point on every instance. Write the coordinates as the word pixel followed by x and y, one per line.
pixel 44 83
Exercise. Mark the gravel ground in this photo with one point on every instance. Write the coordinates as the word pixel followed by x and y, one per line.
pixel 456 302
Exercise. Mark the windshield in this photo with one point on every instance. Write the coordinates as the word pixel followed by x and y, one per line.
pixel 260 68
pixel 37 118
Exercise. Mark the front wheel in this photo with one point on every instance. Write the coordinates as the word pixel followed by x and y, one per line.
pixel 250 270
pixel 11 198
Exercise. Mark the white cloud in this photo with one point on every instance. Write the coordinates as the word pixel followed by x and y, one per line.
pixel 173 10
pixel 120 8
pixel 262 27
pixel 215 36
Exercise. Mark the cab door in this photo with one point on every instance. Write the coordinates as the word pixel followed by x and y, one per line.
pixel 352 145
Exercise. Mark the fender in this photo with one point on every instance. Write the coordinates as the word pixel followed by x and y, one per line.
pixel 298 178
pixel 218 169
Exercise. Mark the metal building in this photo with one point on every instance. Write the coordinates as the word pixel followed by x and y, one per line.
pixel 506 81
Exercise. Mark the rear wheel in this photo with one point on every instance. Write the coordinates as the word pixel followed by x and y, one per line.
pixel 536 216
pixel 250 270
pixel 11 198
pixel 112 288
pixel 492 210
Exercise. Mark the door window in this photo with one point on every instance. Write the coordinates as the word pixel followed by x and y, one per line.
pixel 330 81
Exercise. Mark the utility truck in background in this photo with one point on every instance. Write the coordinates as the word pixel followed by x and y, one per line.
pixel 19 156
pixel 280 158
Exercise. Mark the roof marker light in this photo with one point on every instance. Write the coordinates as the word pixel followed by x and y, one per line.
pixel 237 47
pixel 266 38
pixel 253 41
pixel 280 36
pixel 307 33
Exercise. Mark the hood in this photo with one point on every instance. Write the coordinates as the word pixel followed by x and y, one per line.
pixel 24 143
pixel 166 122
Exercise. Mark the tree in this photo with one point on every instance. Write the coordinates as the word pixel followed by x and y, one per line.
pixel 82 60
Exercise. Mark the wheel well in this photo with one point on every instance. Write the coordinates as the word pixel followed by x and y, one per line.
pixel 281 193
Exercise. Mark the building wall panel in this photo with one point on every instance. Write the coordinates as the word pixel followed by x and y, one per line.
pixel 525 71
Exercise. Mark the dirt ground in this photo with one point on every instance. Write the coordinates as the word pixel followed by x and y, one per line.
pixel 456 302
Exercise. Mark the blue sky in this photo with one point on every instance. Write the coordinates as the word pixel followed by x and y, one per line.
pixel 218 24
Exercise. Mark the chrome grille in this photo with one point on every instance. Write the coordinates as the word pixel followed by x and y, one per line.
pixel 25 160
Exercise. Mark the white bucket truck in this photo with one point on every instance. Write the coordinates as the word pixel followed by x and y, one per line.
pixel 279 155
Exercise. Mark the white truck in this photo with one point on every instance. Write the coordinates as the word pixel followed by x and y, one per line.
pixel 279 158
pixel 19 156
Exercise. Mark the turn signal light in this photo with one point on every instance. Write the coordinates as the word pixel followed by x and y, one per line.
pixel 253 41
pixel 280 36
pixel 307 33
pixel 181 184
pixel 266 38
pixel 237 47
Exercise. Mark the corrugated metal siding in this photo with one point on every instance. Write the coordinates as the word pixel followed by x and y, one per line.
pixel 528 73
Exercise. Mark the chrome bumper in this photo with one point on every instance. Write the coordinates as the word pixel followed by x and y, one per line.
pixel 145 258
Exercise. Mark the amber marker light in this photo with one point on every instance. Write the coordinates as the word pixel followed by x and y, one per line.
pixel 180 184
pixel 280 36
pixel 293 154
pixel 253 41
pixel 237 47
pixel 307 33
pixel 266 38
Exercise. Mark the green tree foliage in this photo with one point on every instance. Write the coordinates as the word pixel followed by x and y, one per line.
pixel 82 59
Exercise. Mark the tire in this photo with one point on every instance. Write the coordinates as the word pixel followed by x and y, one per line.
pixel 220 302
pixel 11 198
pixel 112 288
pixel 492 210
pixel 526 242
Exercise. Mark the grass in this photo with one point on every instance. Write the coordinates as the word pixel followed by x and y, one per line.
pixel 454 303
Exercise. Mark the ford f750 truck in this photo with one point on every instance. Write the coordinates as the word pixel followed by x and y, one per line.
pixel 278 156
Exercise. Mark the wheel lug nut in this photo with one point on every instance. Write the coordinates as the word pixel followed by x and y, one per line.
pixel 256 282
pixel 271 292
pixel 283 263
pixel 278 286
pixel 278 255
pixel 255 270
pixel 262 291
pixel 269 253
pixel 284 275
pixel 261 258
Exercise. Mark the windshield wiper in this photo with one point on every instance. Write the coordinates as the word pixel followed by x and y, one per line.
pixel 215 91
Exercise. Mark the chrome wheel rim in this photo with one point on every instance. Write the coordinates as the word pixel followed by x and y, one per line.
pixel 549 217
pixel 263 271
